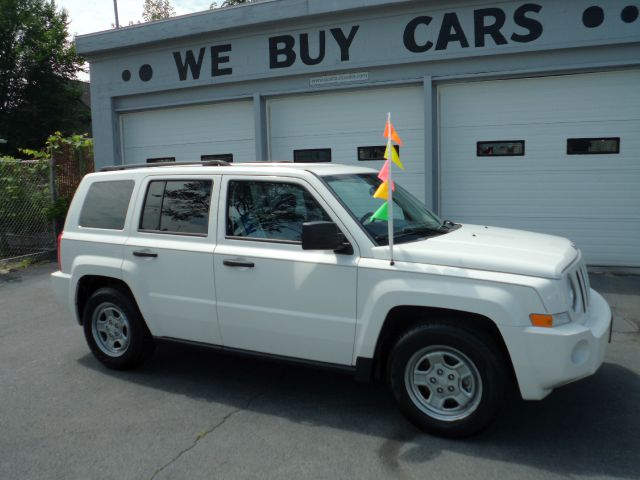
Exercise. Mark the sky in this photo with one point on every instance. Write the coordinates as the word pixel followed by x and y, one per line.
pixel 88 16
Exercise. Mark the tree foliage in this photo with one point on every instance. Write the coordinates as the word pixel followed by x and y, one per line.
pixel 229 3
pixel 37 65
pixel 153 10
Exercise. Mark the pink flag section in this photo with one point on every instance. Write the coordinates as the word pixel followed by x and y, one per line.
pixel 383 174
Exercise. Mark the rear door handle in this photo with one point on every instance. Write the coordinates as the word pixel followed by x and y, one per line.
pixel 145 254
pixel 238 263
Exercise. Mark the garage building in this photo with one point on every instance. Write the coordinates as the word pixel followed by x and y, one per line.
pixel 513 113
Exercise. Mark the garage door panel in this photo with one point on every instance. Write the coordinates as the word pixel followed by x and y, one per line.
pixel 593 199
pixel 524 102
pixel 344 121
pixel 186 133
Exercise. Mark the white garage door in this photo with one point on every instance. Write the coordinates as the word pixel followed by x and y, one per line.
pixel 342 122
pixel 587 196
pixel 188 133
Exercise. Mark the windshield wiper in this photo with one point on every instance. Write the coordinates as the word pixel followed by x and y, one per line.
pixel 422 231
pixel 419 231
pixel 448 225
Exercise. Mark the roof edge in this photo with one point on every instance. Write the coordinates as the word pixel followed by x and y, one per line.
pixel 260 12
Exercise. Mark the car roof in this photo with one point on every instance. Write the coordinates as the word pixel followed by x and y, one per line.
pixel 250 168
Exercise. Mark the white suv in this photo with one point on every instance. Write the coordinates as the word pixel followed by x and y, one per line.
pixel 284 261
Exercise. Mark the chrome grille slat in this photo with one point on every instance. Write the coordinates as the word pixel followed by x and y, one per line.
pixel 583 287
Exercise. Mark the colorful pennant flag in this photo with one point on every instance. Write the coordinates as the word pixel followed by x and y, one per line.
pixel 383 174
pixel 383 191
pixel 385 211
pixel 389 131
pixel 382 213
pixel 394 156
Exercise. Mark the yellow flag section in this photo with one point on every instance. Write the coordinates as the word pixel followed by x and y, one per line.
pixel 382 191
pixel 394 156
pixel 391 153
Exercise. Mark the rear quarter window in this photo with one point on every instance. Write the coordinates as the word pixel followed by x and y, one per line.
pixel 106 204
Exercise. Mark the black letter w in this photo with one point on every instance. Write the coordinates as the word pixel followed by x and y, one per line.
pixel 189 64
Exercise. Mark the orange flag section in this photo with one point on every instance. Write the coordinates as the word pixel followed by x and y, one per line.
pixel 383 191
pixel 390 131
pixel 394 156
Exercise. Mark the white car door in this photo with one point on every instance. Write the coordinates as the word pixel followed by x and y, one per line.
pixel 272 296
pixel 168 258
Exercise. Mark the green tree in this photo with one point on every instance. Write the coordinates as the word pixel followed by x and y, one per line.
pixel 229 3
pixel 37 65
pixel 153 10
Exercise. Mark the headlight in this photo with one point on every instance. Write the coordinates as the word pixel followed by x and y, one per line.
pixel 573 296
pixel 561 318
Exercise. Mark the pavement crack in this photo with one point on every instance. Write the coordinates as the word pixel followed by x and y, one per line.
pixel 204 434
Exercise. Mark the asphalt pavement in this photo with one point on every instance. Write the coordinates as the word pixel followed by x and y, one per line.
pixel 196 414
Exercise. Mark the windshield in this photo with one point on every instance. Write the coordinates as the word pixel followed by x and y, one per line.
pixel 411 219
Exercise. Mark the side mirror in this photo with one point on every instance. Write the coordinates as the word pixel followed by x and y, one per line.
pixel 321 236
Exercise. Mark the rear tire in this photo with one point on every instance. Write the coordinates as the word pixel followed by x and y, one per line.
pixel 115 330
pixel 447 380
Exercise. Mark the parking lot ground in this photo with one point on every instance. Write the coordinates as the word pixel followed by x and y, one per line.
pixel 195 414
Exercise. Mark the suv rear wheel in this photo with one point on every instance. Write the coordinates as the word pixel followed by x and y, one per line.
pixel 115 330
pixel 447 380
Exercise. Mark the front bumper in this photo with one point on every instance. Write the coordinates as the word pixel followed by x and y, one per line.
pixel 546 358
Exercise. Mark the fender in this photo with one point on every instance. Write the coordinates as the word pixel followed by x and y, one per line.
pixel 93 265
pixel 505 304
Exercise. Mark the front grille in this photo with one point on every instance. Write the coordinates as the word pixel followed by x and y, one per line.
pixel 580 278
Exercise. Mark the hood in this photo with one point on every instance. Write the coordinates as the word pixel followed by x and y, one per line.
pixel 491 248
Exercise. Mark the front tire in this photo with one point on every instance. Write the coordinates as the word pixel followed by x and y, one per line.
pixel 447 380
pixel 115 330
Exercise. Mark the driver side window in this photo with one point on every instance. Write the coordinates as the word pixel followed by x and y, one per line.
pixel 270 210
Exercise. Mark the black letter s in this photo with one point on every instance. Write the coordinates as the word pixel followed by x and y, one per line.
pixel 534 26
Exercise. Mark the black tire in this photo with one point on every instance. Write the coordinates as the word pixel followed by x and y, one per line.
pixel 483 387
pixel 124 344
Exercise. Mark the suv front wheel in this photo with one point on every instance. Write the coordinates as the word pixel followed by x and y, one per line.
pixel 447 380
pixel 115 330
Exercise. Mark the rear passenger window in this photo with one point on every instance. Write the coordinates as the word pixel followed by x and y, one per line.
pixel 106 204
pixel 177 206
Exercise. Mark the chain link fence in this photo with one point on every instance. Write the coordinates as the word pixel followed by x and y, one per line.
pixel 26 226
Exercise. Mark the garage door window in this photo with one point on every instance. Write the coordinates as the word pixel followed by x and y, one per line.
pixel 366 154
pixel 272 211
pixel 312 155
pixel 161 160
pixel 593 146
pixel 177 206
pixel 225 157
pixel 501 148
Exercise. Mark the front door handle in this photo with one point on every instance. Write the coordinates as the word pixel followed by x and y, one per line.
pixel 145 254
pixel 238 263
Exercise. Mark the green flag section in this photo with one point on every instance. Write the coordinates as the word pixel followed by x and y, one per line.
pixel 382 213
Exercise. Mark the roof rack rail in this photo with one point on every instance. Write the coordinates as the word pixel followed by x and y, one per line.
pixel 133 166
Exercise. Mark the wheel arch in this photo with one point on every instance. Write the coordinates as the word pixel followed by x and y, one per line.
pixel 88 284
pixel 404 317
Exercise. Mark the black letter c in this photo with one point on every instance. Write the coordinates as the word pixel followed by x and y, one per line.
pixel 410 35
